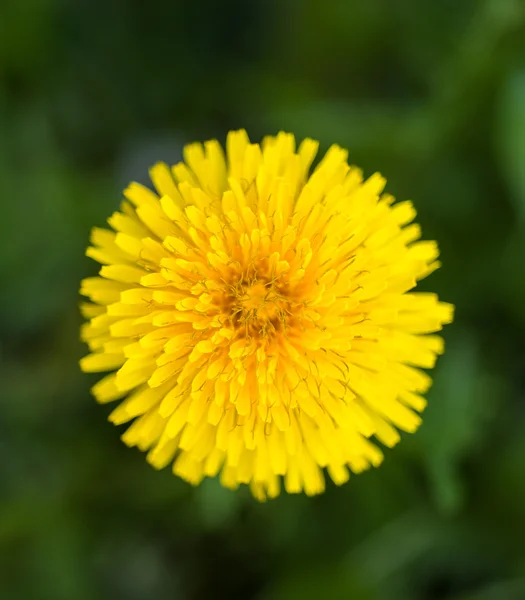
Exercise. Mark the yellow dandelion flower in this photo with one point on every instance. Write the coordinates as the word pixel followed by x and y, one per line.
pixel 258 319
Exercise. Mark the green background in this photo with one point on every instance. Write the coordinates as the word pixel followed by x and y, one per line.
pixel 430 93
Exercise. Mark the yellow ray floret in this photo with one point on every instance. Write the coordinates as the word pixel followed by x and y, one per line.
pixel 258 319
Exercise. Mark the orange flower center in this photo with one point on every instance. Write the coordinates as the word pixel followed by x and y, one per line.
pixel 257 308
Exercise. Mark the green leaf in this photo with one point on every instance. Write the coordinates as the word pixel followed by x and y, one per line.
pixel 217 505
pixel 510 136
pixel 332 580
pixel 459 407
pixel 396 545
pixel 508 590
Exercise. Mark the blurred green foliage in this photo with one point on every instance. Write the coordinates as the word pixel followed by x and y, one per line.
pixel 432 94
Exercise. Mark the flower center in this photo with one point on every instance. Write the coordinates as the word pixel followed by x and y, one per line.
pixel 258 299
pixel 258 308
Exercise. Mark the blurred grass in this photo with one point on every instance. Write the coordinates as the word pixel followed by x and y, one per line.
pixel 432 95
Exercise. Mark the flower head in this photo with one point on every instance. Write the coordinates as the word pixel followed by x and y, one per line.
pixel 259 318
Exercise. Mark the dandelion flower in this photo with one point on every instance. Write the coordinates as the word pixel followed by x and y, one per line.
pixel 258 320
